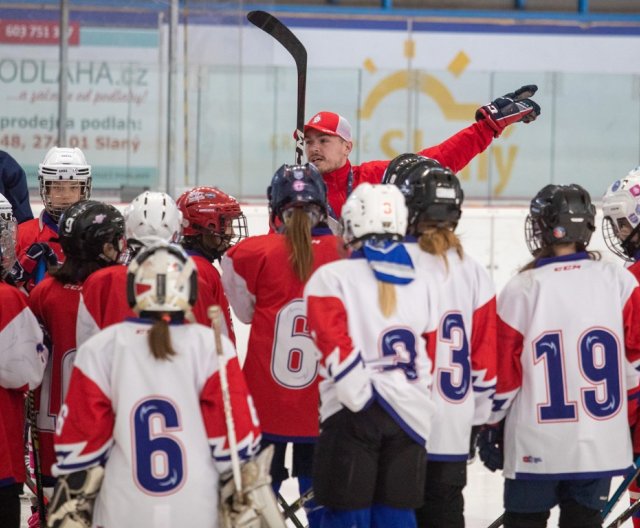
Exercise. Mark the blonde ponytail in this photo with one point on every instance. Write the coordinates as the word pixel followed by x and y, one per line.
pixel 438 241
pixel 387 298
pixel 298 233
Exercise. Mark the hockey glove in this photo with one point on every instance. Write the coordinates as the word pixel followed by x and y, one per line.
pixel 26 268
pixel 73 498
pixel 510 108
pixel 491 446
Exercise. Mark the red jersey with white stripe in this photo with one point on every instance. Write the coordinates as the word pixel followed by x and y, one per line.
pixel 158 426
pixel 56 306
pixel 569 341
pixel 367 356
pixel 282 362
pixel 455 153
pixel 22 362
pixel 465 371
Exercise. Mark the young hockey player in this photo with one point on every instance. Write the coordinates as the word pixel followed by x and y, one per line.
pixel 91 234
pixel 465 369
pixel 264 277
pixel 569 338
pixel 328 143
pixel 22 362
pixel 212 223
pixel 143 425
pixel 621 228
pixel 151 217
pixel 373 317
pixel 64 177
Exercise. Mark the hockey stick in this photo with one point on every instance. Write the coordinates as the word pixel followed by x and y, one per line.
pixel 35 441
pixel 271 25
pixel 215 313
pixel 621 489
pixel 617 523
pixel 290 511
pixel 498 522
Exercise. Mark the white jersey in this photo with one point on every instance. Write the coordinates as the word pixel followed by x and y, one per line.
pixel 157 425
pixel 569 339
pixel 465 371
pixel 369 357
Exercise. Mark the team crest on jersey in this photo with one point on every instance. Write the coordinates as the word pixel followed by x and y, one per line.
pixel 559 232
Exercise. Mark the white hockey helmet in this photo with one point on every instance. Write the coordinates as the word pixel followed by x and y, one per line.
pixel 8 229
pixel 152 217
pixel 622 202
pixel 374 211
pixel 63 164
pixel 162 278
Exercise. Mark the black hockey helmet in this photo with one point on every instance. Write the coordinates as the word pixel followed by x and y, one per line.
pixel 296 186
pixel 560 214
pixel 433 193
pixel 86 226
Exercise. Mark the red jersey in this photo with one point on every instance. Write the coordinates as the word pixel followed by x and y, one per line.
pixel 56 306
pixel 103 302
pixel 282 362
pixel 210 292
pixel 41 229
pixel 22 364
pixel 455 153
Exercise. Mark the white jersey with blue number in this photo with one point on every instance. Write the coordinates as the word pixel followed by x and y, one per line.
pixel 568 342
pixel 367 356
pixel 465 372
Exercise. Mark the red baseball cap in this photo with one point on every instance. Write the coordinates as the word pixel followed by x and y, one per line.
pixel 331 124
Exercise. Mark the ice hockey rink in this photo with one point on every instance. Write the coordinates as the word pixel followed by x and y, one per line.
pixel 495 236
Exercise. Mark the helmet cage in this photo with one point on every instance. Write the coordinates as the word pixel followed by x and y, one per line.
pixel 67 165
pixel 621 203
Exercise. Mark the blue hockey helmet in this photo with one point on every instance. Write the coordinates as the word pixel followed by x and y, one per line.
pixel 296 186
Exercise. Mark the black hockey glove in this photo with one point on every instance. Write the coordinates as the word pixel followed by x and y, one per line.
pixel 510 108
pixel 491 446
pixel 27 268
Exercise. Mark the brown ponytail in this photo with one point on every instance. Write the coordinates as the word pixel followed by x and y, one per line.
pixel 438 240
pixel 160 340
pixel 298 233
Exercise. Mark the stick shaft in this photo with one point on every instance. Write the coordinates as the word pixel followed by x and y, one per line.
pixel 215 313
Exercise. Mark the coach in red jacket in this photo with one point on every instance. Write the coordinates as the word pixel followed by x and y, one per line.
pixel 328 143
